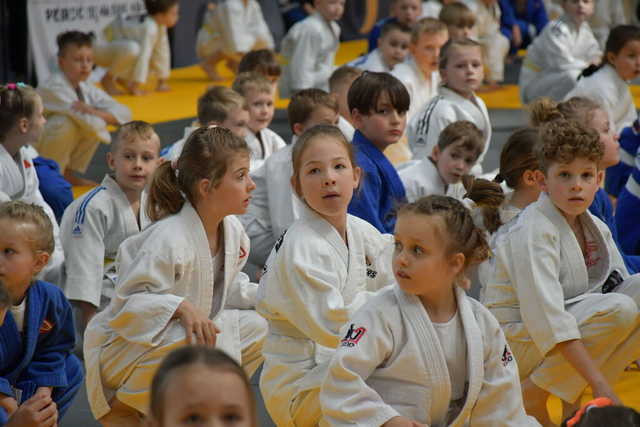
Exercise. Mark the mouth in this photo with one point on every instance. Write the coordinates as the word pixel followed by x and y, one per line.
pixel 576 199
pixel 138 177
pixel 331 195
pixel 402 275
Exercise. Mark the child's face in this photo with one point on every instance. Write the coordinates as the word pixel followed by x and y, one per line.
pixel 463 73
pixel 421 263
pixel 394 47
pixel 76 62
pixel 237 121
pixel 201 396
pixel 320 115
pixel 407 11
pixel 572 186
pixel 384 125
pixel 331 10
pixel 459 33
pixel 627 61
pixel 134 162
pixel 261 108
pixel 453 162
pixel 341 93
pixel 608 139
pixel 326 178
pixel 170 17
pixel 19 262
pixel 234 189
pixel 578 10
pixel 427 50
pixel 35 124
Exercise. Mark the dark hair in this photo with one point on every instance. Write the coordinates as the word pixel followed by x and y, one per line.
pixel 367 89
pixel 27 213
pixel 304 102
pixel 392 25
pixel 445 52
pixel 206 155
pixel 216 103
pixel 461 233
pixel 618 416
pixel 488 197
pixel 77 38
pixel 133 130
pixel 457 14
pixel 562 141
pixel 5 298
pixel 580 109
pixel 159 6
pixel 342 75
pixel 619 36
pixel 518 156
pixel 188 356
pixel 261 61
pixel 17 101
pixel 465 133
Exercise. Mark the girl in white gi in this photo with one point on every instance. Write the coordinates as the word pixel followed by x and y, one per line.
pixel 462 71
pixel 310 49
pixel 175 278
pixel 21 125
pixel 136 46
pixel 393 48
pixel 229 30
pixel 559 287
pixel 608 85
pixel 77 112
pixel 421 353
pixel 259 95
pixel 94 225
pixel 322 269
pixel 558 55
pixel 203 386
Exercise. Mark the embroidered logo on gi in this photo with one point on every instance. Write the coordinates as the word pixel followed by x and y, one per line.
pixel 77 230
pixel 243 253
pixel 371 273
pixel 353 336
pixel 46 326
pixel 27 165
pixel 507 357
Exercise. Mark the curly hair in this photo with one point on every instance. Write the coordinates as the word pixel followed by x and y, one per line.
pixel 562 141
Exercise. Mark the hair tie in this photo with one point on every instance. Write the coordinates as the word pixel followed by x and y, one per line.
pixel 599 402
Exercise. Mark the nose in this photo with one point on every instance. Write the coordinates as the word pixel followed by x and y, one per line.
pixel 329 178
pixel 250 184
pixel 401 259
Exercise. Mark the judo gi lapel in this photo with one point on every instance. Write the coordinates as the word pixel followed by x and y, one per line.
pixel 234 254
pixel 15 170
pixel 327 231
pixel 383 164
pixel 124 207
pixel 435 365
pixel 10 340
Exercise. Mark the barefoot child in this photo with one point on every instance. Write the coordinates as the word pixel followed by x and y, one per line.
pixel 422 353
pixel 38 366
pixel 320 271
pixel 175 277
pixel 94 225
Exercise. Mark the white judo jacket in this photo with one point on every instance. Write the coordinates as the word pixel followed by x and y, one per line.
pixel 421 178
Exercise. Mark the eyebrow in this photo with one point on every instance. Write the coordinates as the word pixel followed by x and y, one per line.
pixel 310 162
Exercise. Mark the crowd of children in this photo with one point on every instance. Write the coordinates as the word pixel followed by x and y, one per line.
pixel 371 293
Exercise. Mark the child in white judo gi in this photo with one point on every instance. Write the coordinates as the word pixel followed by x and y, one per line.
pixel 259 95
pixel 178 279
pixel 94 225
pixel 218 106
pixel 320 271
pixel 559 287
pixel 459 146
pixel 205 385
pixel 77 112
pixel 310 47
pixel 407 12
pixel 558 55
pixel 230 29
pixel 39 374
pixel 608 85
pixel 339 84
pixel 274 206
pixel 462 71
pixel 136 46
pixel 419 73
pixel 393 48
pixel 21 125
pixel 422 353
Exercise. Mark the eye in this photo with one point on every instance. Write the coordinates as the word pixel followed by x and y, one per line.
pixel 397 246
pixel 563 174
pixel 341 166
pixel 232 417
pixel 418 250
pixel 455 156
pixel 313 171
pixel 193 418
pixel 588 175
pixel 9 251
pixel 147 158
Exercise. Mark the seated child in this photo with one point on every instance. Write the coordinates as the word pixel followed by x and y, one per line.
pixel 37 333
pixel 459 19
pixel 419 73
pixel 522 21
pixel 202 384
pixel 461 71
pixel 136 46
pixel 393 47
pixel 230 29
pixel 378 104
pixel 77 112
pixel 459 146
pixel 310 47
pixel 406 12
pixel 219 106
pixel 274 206
pixel 558 55
pixel 261 61
pixel 259 95
pixel 421 352
pixel 608 14
pixel 339 84
pixel 94 225
pixel 322 269
pixel 559 288
pixel 21 125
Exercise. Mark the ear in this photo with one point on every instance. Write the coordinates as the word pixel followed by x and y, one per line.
pixel 457 263
pixel 529 178
pixel 611 57
pixel 435 153
pixel 23 125
pixel 356 116
pixel 296 186
pixel 202 187
pixel 542 180
pixel 298 128
pixel 357 174
pixel 111 161
pixel 600 176
pixel 40 261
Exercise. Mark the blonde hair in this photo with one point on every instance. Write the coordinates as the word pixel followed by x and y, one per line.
pixel 216 103
pixel 131 131
pixel 17 101
pixel 34 215
pixel 244 82
pixel 450 45
pixel 427 26
pixel 457 14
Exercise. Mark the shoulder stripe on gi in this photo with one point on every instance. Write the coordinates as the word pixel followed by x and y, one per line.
pixel 423 123
pixel 80 213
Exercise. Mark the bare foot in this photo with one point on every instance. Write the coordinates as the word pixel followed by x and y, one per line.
pixel 109 85
pixel 210 70
pixel 163 86
pixel 74 179
pixel 135 89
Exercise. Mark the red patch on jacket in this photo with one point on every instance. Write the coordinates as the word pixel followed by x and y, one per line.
pixel 27 164
pixel 46 326
pixel 243 253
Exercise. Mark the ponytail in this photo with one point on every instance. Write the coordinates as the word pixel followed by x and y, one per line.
pixel 488 196
pixel 165 197
pixel 543 110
